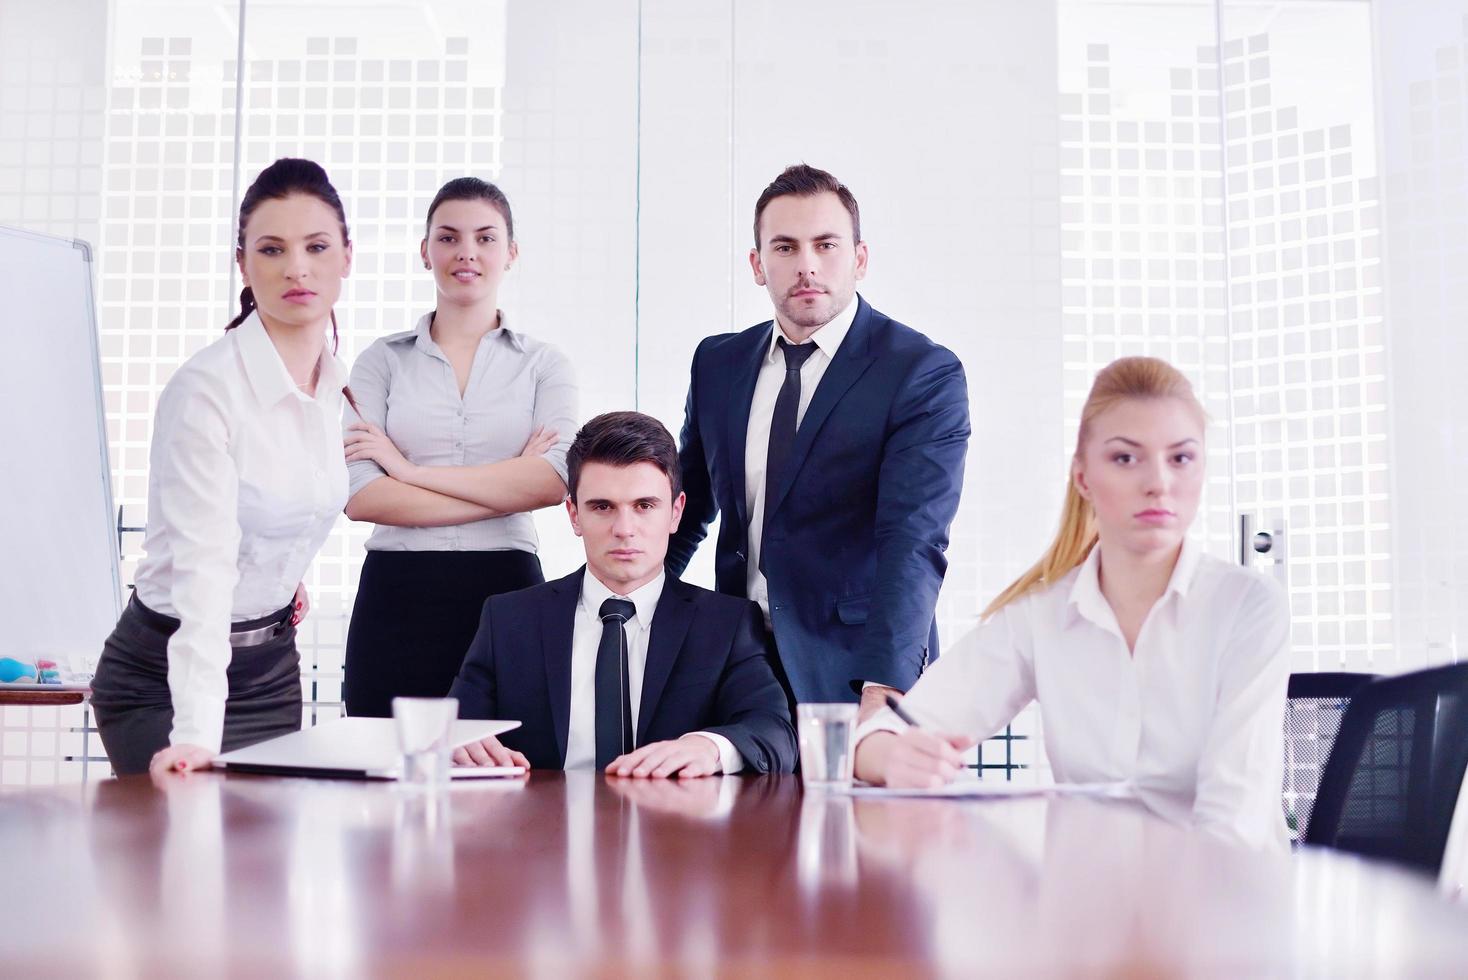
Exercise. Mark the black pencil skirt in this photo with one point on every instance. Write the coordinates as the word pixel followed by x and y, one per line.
pixel 415 616
pixel 134 707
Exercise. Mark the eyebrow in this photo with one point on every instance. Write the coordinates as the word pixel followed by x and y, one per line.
pixel 452 228
pixel 1132 442
pixel 639 500
pixel 277 238
pixel 822 237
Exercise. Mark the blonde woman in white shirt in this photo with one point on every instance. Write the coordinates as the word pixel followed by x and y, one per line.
pixel 464 426
pixel 246 479
pixel 1153 664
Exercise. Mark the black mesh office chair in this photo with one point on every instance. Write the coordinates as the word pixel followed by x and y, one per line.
pixel 1317 702
pixel 1392 782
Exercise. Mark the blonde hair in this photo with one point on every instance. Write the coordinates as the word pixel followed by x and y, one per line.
pixel 1122 379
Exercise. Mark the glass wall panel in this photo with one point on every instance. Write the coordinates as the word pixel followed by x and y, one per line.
pixel 1421 57
pixel 1308 337
pixel 52 115
pixel 1144 269
pixel 401 98
pixel 110 132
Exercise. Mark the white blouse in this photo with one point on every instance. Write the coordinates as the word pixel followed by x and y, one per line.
pixel 1193 720
pixel 246 477
pixel 405 384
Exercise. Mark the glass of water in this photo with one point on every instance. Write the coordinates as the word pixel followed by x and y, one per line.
pixel 826 732
pixel 423 726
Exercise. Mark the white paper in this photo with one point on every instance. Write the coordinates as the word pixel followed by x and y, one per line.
pixel 993 788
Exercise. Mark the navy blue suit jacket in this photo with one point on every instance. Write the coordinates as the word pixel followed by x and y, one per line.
pixel 707 670
pixel 855 537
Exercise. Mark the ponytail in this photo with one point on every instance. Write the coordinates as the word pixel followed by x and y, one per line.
pixel 1072 545
pixel 247 306
pixel 346 389
pixel 1128 377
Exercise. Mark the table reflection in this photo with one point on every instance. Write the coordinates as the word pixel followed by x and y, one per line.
pixel 826 844
pixel 576 873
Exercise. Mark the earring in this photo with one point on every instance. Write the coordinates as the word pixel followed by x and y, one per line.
pixel 507 267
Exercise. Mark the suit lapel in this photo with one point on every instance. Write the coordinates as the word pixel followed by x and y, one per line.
pixel 557 623
pixel 852 359
pixel 741 392
pixel 670 625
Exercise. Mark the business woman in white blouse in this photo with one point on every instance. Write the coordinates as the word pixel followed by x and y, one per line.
pixel 464 427
pixel 245 480
pixel 1153 664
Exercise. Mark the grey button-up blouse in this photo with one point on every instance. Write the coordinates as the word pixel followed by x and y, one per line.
pixel 405 384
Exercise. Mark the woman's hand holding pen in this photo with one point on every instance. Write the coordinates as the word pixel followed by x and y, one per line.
pixel 918 758
pixel 367 441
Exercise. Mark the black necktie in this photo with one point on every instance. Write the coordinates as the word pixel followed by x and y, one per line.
pixel 782 430
pixel 613 699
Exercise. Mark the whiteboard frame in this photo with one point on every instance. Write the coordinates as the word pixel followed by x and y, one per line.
pixel 109 518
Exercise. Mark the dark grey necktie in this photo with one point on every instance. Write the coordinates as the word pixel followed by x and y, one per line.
pixel 782 430
pixel 613 699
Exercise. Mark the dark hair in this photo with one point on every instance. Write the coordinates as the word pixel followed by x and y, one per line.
pixel 283 178
pixel 621 439
pixel 803 180
pixel 472 189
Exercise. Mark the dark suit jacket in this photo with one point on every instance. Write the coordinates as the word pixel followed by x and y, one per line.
pixel 855 536
pixel 707 670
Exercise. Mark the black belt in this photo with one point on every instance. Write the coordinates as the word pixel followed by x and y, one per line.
pixel 241 635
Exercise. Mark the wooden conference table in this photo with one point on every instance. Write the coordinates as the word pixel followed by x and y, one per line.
pixel 563 875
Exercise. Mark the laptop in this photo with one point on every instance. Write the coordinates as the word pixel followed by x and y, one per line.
pixel 355 748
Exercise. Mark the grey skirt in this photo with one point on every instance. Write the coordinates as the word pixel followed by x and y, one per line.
pixel 134 707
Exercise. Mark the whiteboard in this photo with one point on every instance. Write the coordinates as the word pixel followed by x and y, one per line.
pixel 60 589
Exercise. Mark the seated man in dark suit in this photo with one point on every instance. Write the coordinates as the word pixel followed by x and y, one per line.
pixel 620 665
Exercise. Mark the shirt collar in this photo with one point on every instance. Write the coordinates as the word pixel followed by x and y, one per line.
pixel 1185 569
pixel 267 373
pixel 1085 593
pixel 828 338
pixel 424 338
pixel 594 593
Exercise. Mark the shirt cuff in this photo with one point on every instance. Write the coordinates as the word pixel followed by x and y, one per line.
pixel 883 721
pixel 730 761
pixel 203 725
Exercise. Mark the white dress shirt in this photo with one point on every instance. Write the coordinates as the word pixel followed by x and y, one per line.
pixel 405 384
pixel 245 479
pixel 762 413
pixel 585 638
pixel 1192 719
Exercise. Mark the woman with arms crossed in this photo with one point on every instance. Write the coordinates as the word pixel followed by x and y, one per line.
pixel 1152 663
pixel 483 416
pixel 245 481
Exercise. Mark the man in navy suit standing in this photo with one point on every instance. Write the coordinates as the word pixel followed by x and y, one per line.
pixel 832 442
pixel 619 666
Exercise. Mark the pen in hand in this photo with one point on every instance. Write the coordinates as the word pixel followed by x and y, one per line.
pixel 910 721
pixel 901 712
